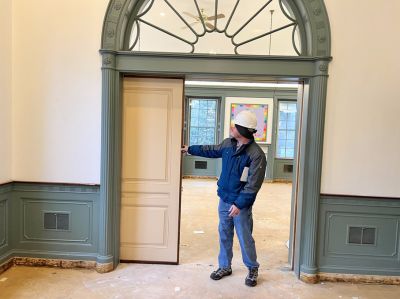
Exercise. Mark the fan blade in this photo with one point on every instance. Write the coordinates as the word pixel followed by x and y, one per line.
pixel 190 15
pixel 209 25
pixel 191 24
pixel 219 16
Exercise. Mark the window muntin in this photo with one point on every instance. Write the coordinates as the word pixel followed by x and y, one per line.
pixel 286 130
pixel 266 27
pixel 202 121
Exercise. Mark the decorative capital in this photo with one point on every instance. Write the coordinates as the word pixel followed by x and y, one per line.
pixel 323 67
pixel 107 60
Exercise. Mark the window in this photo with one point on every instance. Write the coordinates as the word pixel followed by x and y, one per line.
pixel 286 130
pixel 202 121
pixel 266 27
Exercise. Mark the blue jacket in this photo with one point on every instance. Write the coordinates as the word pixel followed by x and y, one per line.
pixel 234 186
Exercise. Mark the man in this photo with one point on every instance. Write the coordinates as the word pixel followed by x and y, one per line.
pixel 243 171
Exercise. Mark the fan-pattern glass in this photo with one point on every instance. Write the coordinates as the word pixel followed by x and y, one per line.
pixel 266 27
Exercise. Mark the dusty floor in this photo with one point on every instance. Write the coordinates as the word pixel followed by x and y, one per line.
pixel 199 248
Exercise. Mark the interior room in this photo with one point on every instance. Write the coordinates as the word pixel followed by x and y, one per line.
pixel 97 98
pixel 210 107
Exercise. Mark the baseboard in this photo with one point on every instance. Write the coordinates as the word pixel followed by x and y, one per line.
pixel 309 278
pixel 56 263
pixel 284 181
pixel 349 278
pixel 356 278
pixel 6 265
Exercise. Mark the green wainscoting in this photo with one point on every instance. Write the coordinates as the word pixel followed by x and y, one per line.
pixel 5 196
pixel 283 170
pixel 199 166
pixel 379 255
pixel 26 232
pixel 22 232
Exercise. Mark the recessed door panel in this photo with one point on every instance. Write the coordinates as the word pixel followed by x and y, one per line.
pixel 151 169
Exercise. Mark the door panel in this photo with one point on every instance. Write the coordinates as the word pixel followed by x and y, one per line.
pixel 151 169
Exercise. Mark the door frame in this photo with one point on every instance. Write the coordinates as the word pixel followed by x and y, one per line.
pixel 311 69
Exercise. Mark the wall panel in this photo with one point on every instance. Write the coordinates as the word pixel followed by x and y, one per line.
pixel 338 253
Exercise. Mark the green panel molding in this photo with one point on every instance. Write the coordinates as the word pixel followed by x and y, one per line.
pixel 5 225
pixel 22 208
pixel 337 255
pixel 279 169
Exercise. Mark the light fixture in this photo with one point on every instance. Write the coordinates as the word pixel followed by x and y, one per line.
pixel 162 14
pixel 270 30
pixel 242 84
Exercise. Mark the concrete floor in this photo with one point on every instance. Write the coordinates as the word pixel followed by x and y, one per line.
pixel 198 256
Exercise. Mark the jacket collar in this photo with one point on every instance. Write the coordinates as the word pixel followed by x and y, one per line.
pixel 242 148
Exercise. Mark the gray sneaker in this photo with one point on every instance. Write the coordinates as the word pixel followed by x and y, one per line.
pixel 251 278
pixel 220 272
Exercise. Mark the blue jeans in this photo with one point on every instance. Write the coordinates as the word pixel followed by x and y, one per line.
pixel 243 224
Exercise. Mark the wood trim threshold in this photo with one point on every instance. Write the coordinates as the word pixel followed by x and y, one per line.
pixel 350 278
pixel 56 263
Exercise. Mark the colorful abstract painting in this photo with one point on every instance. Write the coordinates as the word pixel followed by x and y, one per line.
pixel 261 111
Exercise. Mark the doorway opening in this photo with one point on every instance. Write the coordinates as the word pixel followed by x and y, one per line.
pixel 121 27
pixel 209 108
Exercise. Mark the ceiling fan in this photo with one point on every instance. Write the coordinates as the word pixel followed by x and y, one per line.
pixel 203 16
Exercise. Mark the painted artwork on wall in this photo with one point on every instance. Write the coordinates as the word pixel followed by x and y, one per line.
pixel 263 109
pixel 261 112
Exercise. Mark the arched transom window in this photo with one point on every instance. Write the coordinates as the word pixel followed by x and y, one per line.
pixel 251 27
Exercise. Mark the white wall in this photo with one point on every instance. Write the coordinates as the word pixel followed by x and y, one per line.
pixel 362 128
pixel 57 95
pixel 57 90
pixel 5 91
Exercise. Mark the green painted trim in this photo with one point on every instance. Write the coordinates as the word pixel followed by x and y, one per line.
pixel 214 65
pixel 310 14
pixel 312 69
pixel 4 188
pixel 55 187
pixel 108 172
pixel 311 181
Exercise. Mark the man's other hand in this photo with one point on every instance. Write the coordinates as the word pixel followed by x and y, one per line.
pixel 234 211
pixel 184 149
